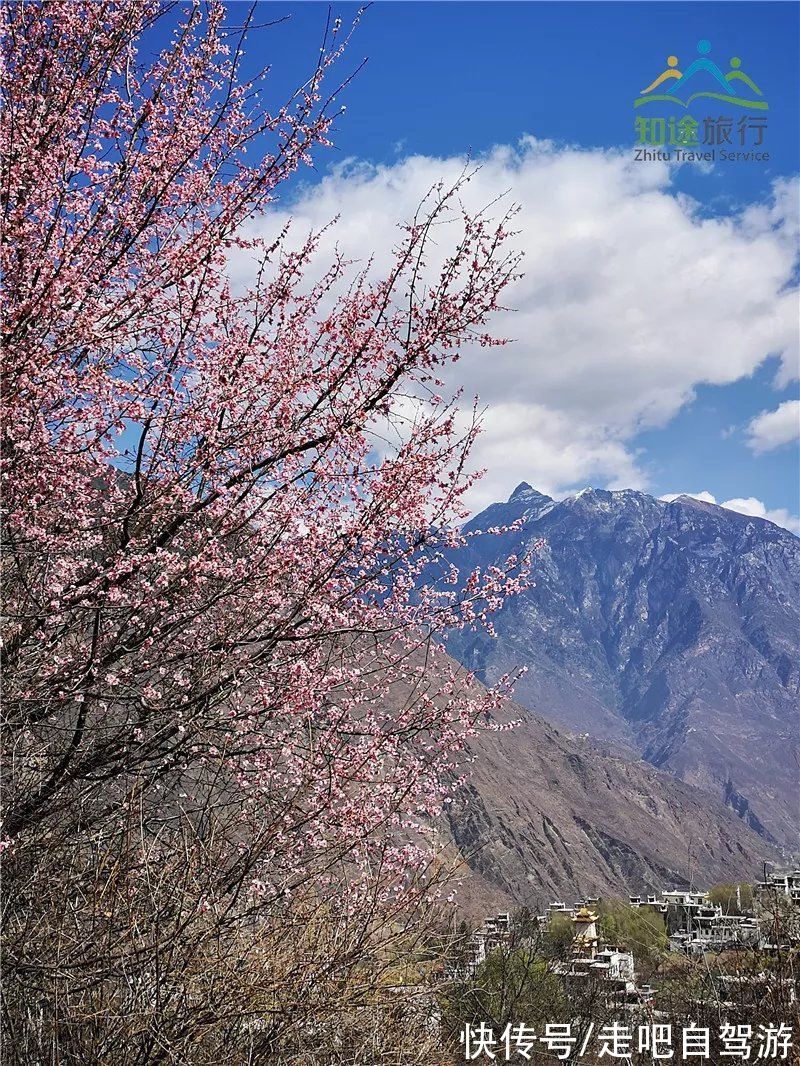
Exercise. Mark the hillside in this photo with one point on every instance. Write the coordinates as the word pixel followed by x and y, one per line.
pixel 544 816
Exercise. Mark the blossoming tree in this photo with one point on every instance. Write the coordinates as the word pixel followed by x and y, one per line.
pixel 218 647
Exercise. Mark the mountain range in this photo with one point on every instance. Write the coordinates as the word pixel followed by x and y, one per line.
pixel 668 631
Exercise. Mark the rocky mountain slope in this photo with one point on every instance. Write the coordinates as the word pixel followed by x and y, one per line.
pixel 544 816
pixel 671 630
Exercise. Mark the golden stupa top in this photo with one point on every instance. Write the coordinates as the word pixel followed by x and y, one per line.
pixel 584 916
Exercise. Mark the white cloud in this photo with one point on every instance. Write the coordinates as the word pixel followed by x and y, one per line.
pixel 631 298
pixel 771 429
pixel 550 449
pixel 749 506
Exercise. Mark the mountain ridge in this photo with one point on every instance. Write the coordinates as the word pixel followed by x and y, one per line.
pixel 669 628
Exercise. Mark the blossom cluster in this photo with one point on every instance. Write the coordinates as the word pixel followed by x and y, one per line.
pixel 211 574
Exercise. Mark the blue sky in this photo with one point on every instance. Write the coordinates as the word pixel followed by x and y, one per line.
pixel 445 78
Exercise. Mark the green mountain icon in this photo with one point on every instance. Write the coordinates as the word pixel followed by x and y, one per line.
pixel 728 98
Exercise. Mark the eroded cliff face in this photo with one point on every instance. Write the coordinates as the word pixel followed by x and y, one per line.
pixel 545 816
pixel 671 630
pixel 541 814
